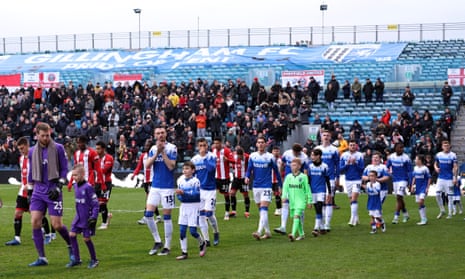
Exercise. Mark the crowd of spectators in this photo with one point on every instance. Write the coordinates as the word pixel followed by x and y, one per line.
pixel 125 115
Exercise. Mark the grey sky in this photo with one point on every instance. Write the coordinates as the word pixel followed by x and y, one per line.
pixel 46 17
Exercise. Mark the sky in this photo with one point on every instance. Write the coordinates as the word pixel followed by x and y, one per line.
pixel 25 18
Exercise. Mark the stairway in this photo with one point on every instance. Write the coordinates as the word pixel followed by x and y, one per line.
pixel 458 137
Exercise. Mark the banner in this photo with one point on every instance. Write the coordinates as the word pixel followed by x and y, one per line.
pixel 456 77
pixel 303 76
pixel 44 80
pixel 313 131
pixel 165 60
pixel 13 80
pixel 130 78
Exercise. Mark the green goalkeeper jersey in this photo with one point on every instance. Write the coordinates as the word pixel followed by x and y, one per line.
pixel 297 190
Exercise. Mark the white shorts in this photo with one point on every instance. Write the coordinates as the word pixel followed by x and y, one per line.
pixel 419 197
pixel 399 188
pixel 189 214
pixel 332 183
pixel 262 195
pixel 207 200
pixel 375 213
pixel 319 197
pixel 446 186
pixel 456 198
pixel 353 187
pixel 383 194
pixel 163 197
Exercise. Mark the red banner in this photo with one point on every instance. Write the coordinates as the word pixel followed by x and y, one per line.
pixel 131 78
pixel 13 80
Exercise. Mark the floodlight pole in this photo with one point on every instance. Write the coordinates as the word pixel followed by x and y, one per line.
pixel 323 8
pixel 138 12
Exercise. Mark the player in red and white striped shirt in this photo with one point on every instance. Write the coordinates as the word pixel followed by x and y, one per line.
pixel 24 196
pixel 224 158
pixel 87 157
pixel 103 184
pixel 241 160
pixel 148 174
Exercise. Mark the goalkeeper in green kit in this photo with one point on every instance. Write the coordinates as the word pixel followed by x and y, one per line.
pixel 297 191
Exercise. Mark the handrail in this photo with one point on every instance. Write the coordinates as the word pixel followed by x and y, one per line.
pixel 310 35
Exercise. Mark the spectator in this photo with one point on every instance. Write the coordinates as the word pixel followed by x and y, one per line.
pixel 254 90
pixel 330 96
pixel 407 100
pixel 357 91
pixel 72 131
pixel 109 96
pixel 201 123
pixel 374 124
pixel 379 90
pixel 446 93
pixel 368 90
pixel 314 89
pixel 447 120
pixel 346 89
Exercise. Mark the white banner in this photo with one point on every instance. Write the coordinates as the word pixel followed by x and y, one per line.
pixel 456 77
pixel 303 76
pixel 44 80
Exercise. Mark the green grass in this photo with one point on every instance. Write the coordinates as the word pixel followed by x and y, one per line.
pixel 404 251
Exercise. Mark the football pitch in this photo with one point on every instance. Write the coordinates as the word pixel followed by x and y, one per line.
pixel 405 250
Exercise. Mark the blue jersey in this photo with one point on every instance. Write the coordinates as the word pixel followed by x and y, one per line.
pixel 287 158
pixel 421 175
pixel 382 172
pixel 374 197
pixel 261 165
pixel 353 171
pixel 331 158
pixel 401 167
pixel 457 191
pixel 318 178
pixel 445 162
pixel 191 189
pixel 205 169
pixel 163 177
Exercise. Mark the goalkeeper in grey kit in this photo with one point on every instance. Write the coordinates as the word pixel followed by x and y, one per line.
pixel 87 209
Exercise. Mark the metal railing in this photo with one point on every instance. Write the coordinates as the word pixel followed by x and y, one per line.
pixel 314 35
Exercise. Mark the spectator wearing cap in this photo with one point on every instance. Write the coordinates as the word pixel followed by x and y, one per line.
pixel 407 100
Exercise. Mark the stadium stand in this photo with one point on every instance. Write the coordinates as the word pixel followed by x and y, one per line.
pixel 430 60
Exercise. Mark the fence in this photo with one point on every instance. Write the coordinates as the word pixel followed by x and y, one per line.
pixel 235 37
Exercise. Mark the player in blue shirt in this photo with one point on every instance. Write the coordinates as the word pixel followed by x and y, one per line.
pixel 457 198
pixel 318 178
pixel 421 178
pixel 162 158
pixel 331 158
pixel 205 167
pixel 260 165
pixel 352 164
pixel 400 167
pixel 374 203
pixel 381 170
pixel 446 167
pixel 188 193
pixel 286 158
